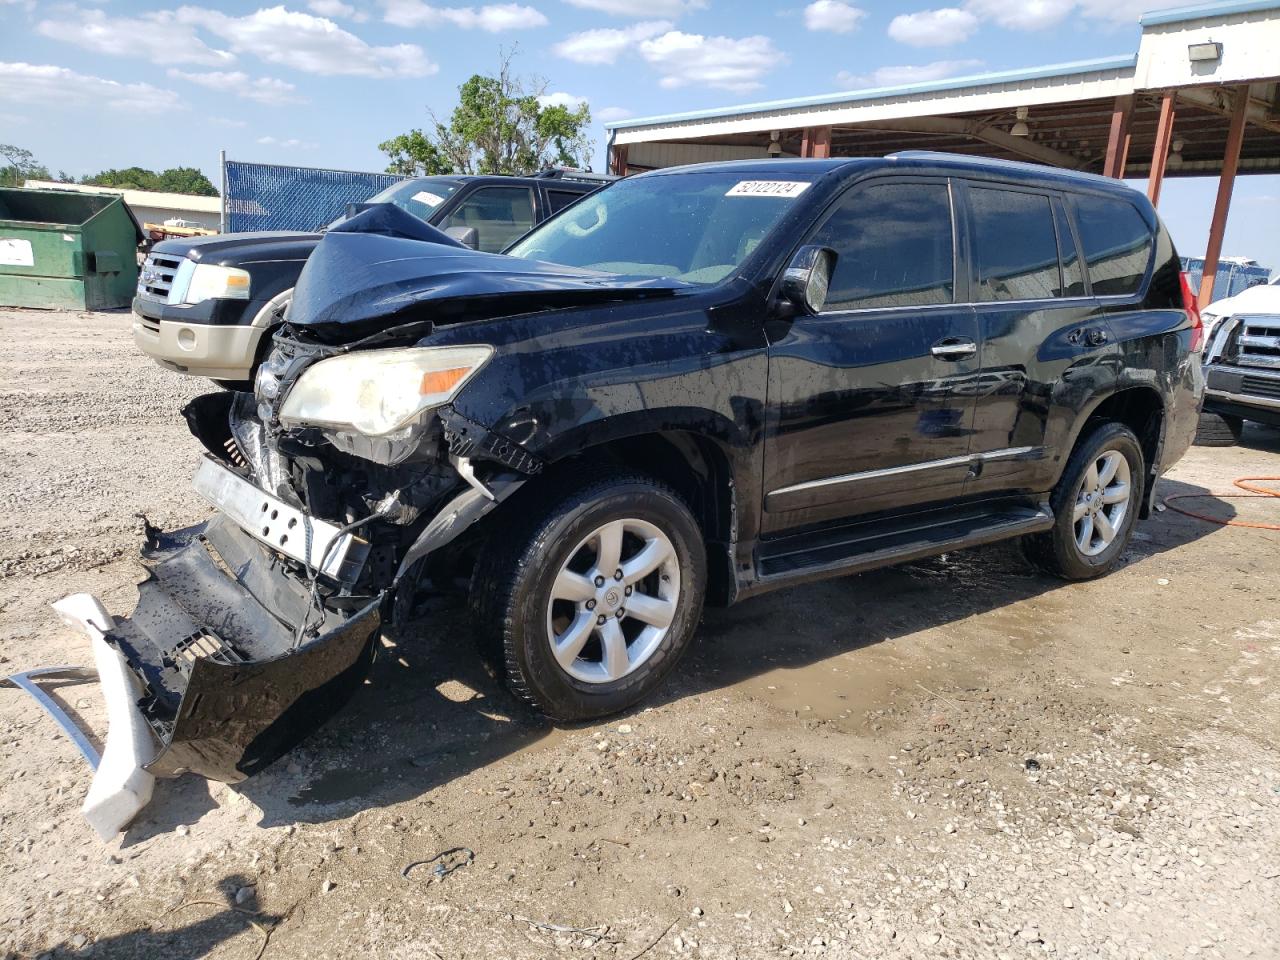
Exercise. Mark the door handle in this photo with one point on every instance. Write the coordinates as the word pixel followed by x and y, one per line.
pixel 954 348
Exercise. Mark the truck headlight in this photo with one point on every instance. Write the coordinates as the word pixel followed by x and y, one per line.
pixel 208 281
pixel 377 392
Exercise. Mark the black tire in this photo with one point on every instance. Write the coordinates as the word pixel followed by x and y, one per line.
pixel 1056 551
pixel 511 590
pixel 1218 430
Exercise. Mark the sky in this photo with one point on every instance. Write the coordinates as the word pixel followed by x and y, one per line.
pixel 92 84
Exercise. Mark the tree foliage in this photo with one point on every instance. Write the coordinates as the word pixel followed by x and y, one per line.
pixel 20 165
pixel 500 126
pixel 174 180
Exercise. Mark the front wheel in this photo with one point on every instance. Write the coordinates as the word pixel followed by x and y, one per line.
pixel 1095 506
pixel 594 596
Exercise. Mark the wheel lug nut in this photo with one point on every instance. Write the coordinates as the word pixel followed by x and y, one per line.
pixel 617 574
pixel 599 581
pixel 600 620
pixel 627 591
pixel 591 604
pixel 621 613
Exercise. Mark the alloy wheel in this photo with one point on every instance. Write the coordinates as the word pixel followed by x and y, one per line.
pixel 613 601
pixel 1102 502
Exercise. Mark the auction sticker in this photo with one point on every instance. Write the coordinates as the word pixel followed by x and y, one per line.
pixel 429 198
pixel 16 253
pixel 767 188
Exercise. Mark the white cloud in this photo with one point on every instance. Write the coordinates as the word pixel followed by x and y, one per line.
pixel 310 44
pixel 933 28
pixel 560 99
pixel 336 8
pixel 611 114
pixel 723 62
pixel 27 84
pixel 266 90
pixel 1025 14
pixel 906 73
pixel 606 45
pixel 493 17
pixel 641 8
pixel 292 143
pixel 832 16
pixel 159 37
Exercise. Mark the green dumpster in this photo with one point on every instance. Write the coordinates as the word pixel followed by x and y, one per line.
pixel 60 249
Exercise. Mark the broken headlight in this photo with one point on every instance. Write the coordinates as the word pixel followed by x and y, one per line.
pixel 377 392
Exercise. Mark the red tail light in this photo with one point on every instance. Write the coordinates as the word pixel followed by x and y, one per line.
pixel 1192 306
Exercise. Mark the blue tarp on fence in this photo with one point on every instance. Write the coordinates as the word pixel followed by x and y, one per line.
pixel 1231 278
pixel 267 196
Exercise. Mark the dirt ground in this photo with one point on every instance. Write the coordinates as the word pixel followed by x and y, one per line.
pixel 954 758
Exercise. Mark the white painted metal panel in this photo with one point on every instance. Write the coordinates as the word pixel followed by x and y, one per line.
pixel 1250 51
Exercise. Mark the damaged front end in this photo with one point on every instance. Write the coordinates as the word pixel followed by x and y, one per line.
pixel 346 469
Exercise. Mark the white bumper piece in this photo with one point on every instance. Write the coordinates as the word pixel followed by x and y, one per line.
pixel 121 787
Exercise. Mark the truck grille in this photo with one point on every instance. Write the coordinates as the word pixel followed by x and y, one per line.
pixel 1260 342
pixel 1260 387
pixel 156 278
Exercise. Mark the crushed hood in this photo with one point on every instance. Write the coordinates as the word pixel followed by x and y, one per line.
pixel 384 265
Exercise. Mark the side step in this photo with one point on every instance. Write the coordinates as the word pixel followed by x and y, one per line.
pixel 855 547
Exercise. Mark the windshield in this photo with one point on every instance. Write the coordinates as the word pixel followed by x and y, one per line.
pixel 420 197
pixel 695 227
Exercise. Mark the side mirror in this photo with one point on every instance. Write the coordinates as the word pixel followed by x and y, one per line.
pixel 467 236
pixel 805 282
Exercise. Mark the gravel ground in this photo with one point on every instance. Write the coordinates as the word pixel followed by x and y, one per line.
pixel 955 758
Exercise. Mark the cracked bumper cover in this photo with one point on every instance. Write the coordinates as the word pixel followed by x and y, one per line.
pixel 209 654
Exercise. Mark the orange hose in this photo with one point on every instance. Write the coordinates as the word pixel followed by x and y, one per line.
pixel 1244 484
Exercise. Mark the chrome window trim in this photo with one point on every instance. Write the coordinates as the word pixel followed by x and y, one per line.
pixel 1007 453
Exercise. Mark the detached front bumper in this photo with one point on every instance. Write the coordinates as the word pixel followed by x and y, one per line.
pixel 207 675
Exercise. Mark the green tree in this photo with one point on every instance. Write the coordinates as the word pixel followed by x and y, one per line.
pixel 499 126
pixel 20 165
pixel 174 180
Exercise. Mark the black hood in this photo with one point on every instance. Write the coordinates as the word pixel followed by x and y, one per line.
pixel 232 249
pixel 384 266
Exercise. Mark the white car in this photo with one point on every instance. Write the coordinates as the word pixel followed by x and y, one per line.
pixel 1241 363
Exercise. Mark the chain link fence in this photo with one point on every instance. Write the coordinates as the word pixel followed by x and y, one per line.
pixel 268 196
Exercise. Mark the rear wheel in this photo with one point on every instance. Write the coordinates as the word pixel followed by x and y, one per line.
pixel 1095 506
pixel 1218 430
pixel 593 598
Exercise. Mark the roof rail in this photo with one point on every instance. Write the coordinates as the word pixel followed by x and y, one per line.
pixel 570 173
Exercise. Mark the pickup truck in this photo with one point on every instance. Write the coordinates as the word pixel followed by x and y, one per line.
pixel 1241 364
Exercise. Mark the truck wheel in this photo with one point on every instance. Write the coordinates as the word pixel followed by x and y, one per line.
pixel 1095 505
pixel 594 596
pixel 1218 430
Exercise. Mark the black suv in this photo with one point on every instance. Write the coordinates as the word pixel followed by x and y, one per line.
pixel 207 306
pixel 697 384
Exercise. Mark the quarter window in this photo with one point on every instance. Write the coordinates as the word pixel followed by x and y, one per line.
pixel 1117 244
pixel 893 245
pixel 1015 247
pixel 499 215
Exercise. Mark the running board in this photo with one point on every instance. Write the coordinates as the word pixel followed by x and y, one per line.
pixel 856 547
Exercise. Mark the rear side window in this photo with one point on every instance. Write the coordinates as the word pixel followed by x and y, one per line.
pixel 1117 244
pixel 1015 246
pixel 893 245
pixel 559 199
pixel 1072 272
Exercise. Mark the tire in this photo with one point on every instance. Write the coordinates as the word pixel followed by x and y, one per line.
pixel 1060 551
pixel 1218 430
pixel 521 605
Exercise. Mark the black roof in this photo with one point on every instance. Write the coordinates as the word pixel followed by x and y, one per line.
pixel 1011 170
